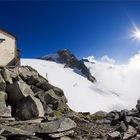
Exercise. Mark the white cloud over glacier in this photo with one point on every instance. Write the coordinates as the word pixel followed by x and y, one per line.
pixel 123 80
pixel 107 59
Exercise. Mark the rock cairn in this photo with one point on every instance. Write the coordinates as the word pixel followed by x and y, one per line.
pixel 30 107
pixel 33 109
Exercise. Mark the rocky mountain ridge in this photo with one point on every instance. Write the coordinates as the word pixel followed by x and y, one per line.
pixel 69 59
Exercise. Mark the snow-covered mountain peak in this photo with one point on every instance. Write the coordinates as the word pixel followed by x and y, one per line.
pixel 70 60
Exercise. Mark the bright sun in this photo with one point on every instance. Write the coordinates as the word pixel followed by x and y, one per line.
pixel 135 34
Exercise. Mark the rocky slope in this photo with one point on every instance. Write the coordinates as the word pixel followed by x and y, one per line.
pixel 33 109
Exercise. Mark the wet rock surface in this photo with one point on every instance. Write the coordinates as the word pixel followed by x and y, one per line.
pixel 33 109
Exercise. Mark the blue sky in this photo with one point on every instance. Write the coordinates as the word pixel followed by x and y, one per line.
pixel 85 27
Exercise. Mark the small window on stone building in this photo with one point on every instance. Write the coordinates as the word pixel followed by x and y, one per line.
pixel 1 40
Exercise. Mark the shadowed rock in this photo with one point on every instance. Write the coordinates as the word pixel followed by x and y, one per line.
pixel 29 108
pixel 114 136
pixel 17 91
pixel 131 132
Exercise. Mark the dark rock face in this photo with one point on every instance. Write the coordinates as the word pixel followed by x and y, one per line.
pixel 70 60
pixel 18 89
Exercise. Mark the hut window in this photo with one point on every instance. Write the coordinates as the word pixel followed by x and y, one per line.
pixel 1 40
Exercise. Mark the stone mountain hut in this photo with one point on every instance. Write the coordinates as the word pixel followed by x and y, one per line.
pixel 9 54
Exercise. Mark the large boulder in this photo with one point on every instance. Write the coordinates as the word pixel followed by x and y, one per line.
pixel 9 131
pixel 25 72
pixel 131 132
pixel 50 97
pixel 17 91
pixel 122 127
pixel 29 108
pixel 114 136
pixel 54 129
pixel 60 125
pixel 98 115
pixel 113 116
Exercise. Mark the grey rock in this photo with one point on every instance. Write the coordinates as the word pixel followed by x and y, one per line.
pixel 113 116
pixel 17 91
pixel 25 72
pixel 50 97
pixel 61 106
pixel 42 96
pixel 133 113
pixel 127 119
pixel 33 80
pixel 131 132
pixel 8 131
pixel 138 129
pixel 48 110
pixel 7 75
pixel 27 125
pixel 35 89
pixel 135 121
pixel 29 108
pixel 114 136
pixel 101 113
pixel 59 92
pixel 2 138
pixel 122 127
pixel 50 118
pixel 43 84
pixel 137 137
pixel 60 125
pixel 7 119
pixel 106 121
pixel 25 122
pixel 61 134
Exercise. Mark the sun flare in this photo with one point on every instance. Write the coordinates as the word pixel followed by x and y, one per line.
pixel 135 34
